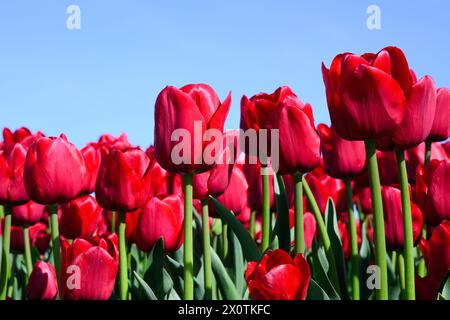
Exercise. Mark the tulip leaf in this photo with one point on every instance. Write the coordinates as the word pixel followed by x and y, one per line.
pixel 238 267
pixel 249 248
pixel 154 274
pixel 320 268
pixel 364 262
pixel 148 291
pixel 35 255
pixel 283 229
pixel 224 280
pixel 178 269
pixel 336 247
pixel 315 292
pixel 444 290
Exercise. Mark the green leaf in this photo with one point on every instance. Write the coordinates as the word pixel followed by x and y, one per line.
pixel 445 287
pixel 238 267
pixel 320 268
pixel 178 269
pixel 224 281
pixel 35 255
pixel 154 274
pixel 283 229
pixel 315 292
pixel 336 248
pixel 364 263
pixel 148 291
pixel 249 248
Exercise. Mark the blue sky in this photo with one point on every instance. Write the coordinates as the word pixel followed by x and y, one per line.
pixel 105 77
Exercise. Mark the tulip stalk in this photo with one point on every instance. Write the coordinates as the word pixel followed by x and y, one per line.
pixel 251 224
pixel 206 251
pixel 265 208
pixel 56 245
pixel 113 221
pixel 6 265
pixel 188 256
pixel 378 219
pixel 123 263
pixel 427 152
pixel 27 249
pixel 299 245
pixel 408 247
pixel 354 255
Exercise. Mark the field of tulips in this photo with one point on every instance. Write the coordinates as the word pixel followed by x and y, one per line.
pixel 280 209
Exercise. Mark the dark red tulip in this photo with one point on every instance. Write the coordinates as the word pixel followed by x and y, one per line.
pixel 27 214
pixel 441 128
pixel 345 234
pixel 367 94
pixel 446 147
pixel 108 141
pixel 365 200
pixel 92 159
pixel 433 192
pixel 278 277
pixel 387 168
pixel 38 238
pixel 42 284
pixel 436 253
pixel 131 223
pixel 162 182
pixel 416 156
pixel 79 217
pixel 161 218
pixel 393 218
pixel 95 265
pixel 123 181
pixel 54 171
pixel 182 109
pixel 12 162
pixel 342 158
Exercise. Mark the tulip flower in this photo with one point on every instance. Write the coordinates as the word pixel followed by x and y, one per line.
pixel 278 277
pixel 42 284
pixel 89 269
pixel 162 182
pixel 441 128
pixel 309 227
pixel 22 135
pixel 79 217
pixel 446 147
pixel 344 232
pixel 436 253
pixel 108 141
pixel 416 156
pixel 160 218
pixel 38 237
pixel 92 158
pixel 27 214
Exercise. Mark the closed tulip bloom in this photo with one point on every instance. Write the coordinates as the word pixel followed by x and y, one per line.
pixel 309 226
pixel 79 217
pixel 123 181
pixel 38 238
pixel 367 94
pixel 323 187
pixel 54 171
pixel 433 192
pixel 42 284
pixel 27 214
pixel 185 108
pixel 441 127
pixel 278 277
pixel 22 135
pixel 393 218
pixel 342 158
pixel 92 158
pixel 416 156
pixel 253 175
pixel 108 141
pixel 89 269
pixel 12 162
pixel 161 218
pixel 436 253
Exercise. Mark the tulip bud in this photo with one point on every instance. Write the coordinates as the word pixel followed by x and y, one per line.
pixel 42 284
pixel 79 217
pixel 441 127
pixel 92 158
pixel 27 214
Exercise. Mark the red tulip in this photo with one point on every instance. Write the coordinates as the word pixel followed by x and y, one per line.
pixel 393 218
pixel 441 128
pixel 38 238
pixel 89 269
pixel 92 159
pixel 433 192
pixel 309 226
pixel 254 179
pixel 123 181
pixel 323 187
pixel 22 135
pixel 79 217
pixel 436 253
pixel 12 162
pixel 345 234
pixel 131 223
pixel 27 214
pixel 278 277
pixel 163 182
pixel 342 158
pixel 416 156
pixel 446 147
pixel 54 171
pixel 387 168
pixel 367 94
pixel 42 284
pixel 161 218
pixel 108 141
pixel 182 109
pixel 365 200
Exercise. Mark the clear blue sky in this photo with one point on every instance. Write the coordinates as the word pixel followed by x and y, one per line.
pixel 106 76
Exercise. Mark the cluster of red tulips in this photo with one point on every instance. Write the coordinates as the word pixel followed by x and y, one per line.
pixel 357 210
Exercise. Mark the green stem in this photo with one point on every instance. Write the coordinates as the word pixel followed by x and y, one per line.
pixel 299 246
pixel 56 245
pixel 265 208
pixel 123 268
pixel 224 240
pixel 113 221
pixel 206 251
pixel 401 274
pixel 323 235
pixel 408 247
pixel 188 255
pixel 378 219
pixel 251 225
pixel 427 152
pixel 354 255
pixel 26 242
pixel 6 264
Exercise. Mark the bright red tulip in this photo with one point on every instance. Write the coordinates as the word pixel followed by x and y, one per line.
pixel 123 181
pixel 309 226
pixel 441 128
pixel 184 108
pixel 367 94
pixel 433 192
pixel 89 269
pixel 416 156
pixel 342 158
pixel 38 238
pixel 22 135
pixel 92 159
pixel 278 277
pixel 54 171
pixel 163 182
pixel 254 179
pixel 108 141
pixel 42 284
pixel 79 217
pixel 27 214
pixel 161 218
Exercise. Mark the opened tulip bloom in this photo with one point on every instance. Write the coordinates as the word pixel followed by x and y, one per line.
pixel 79 217
pixel 43 284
